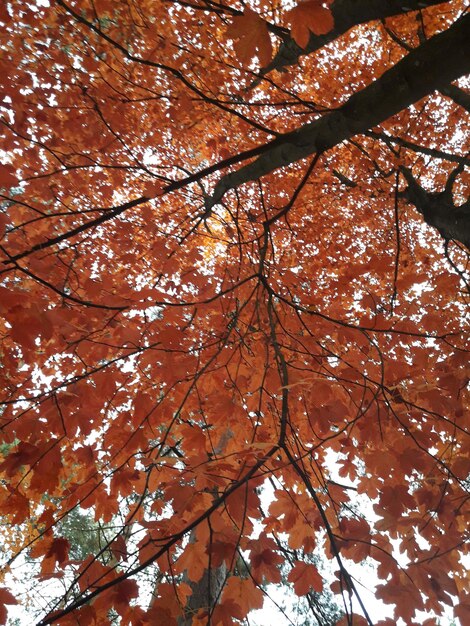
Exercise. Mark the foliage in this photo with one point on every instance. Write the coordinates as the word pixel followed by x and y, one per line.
pixel 84 535
pixel 234 249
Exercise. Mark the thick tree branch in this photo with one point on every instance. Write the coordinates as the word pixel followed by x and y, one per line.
pixel 347 14
pixel 459 96
pixel 435 153
pixel 436 63
pixel 438 209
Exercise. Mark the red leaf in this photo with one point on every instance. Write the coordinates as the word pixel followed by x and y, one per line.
pixel 59 550
pixel 15 504
pixel 352 619
pixel 26 454
pixel 265 559
pixel 153 188
pixel 8 176
pixel 124 592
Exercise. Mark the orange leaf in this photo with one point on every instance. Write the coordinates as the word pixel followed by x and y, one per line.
pixel 244 594
pixel 193 561
pixel 26 454
pixel 124 592
pixel 305 577
pixel 462 611
pixel 251 36
pixel 119 548
pixel 309 17
pixel 153 188
pixel 14 503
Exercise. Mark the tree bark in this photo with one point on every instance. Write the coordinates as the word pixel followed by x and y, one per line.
pixel 433 65
pixel 346 14
pixel 205 594
pixel 438 209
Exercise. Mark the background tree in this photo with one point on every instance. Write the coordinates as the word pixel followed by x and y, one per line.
pixel 234 249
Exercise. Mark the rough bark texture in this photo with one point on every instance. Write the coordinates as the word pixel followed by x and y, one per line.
pixel 436 63
pixel 205 594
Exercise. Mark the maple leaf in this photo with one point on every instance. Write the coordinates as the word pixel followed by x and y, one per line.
pixel 265 559
pixel 309 16
pixel 240 596
pixel 251 36
pixel 26 454
pixel 57 553
pixel 360 620
pixel 123 593
pixel 119 548
pixel 193 560
pixel 462 610
pixel 13 502
pixel 305 577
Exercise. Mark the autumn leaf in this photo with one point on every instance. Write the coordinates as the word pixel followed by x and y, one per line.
pixel 123 593
pixel 284 505
pixel 119 548
pixel 6 597
pixel 244 596
pixel 153 188
pixel 355 538
pixel 305 577
pixel 251 38
pixel 4 15
pixel 462 609
pixel 265 560
pixel 309 16
pixel 15 503
pixel 46 472
pixel 57 553
pixel 8 176
pixel 193 560
pixel 25 454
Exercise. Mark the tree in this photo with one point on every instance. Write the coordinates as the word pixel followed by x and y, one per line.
pixel 234 250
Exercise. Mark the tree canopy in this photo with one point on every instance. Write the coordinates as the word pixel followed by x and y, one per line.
pixel 234 284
